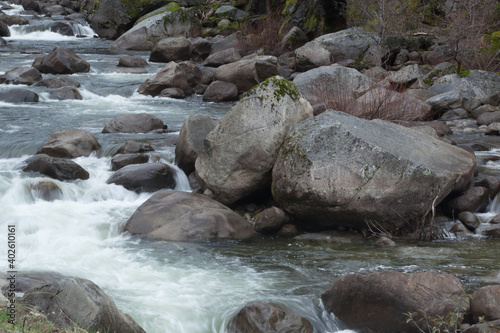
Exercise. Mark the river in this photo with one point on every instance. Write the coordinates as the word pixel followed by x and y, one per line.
pixel 168 286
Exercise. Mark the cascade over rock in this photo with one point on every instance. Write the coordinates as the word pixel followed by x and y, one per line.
pixel 338 170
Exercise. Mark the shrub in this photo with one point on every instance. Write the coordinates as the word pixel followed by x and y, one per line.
pixel 371 101
pixel 466 28
pixel 264 33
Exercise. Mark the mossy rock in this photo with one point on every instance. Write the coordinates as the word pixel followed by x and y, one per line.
pixel 169 8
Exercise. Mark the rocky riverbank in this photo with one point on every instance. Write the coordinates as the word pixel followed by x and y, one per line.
pixel 329 135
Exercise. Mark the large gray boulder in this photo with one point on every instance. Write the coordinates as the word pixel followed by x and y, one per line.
pixel 67 301
pixel 193 132
pixel 171 49
pixel 183 216
pixel 331 87
pixel 148 177
pixel 133 123
pixel 262 317
pixel 485 302
pixel 383 297
pixel 55 167
pixel 21 75
pixel 61 60
pixel 355 44
pixel 167 21
pixel 70 143
pixel 338 170
pixel 236 158
pixel 247 72
pixel 111 18
pixel 170 76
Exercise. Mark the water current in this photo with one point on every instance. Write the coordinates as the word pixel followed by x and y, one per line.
pixel 168 286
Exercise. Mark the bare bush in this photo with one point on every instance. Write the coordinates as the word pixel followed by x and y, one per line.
pixel 372 101
pixel 263 33
pixel 466 27
pixel 385 16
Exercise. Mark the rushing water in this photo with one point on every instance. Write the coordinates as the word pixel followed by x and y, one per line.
pixel 168 286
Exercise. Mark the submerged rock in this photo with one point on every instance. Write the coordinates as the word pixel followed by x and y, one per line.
pixel 65 93
pixel 338 170
pixel 46 190
pixel 183 216
pixel 262 317
pixel 255 128
pixel 383 297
